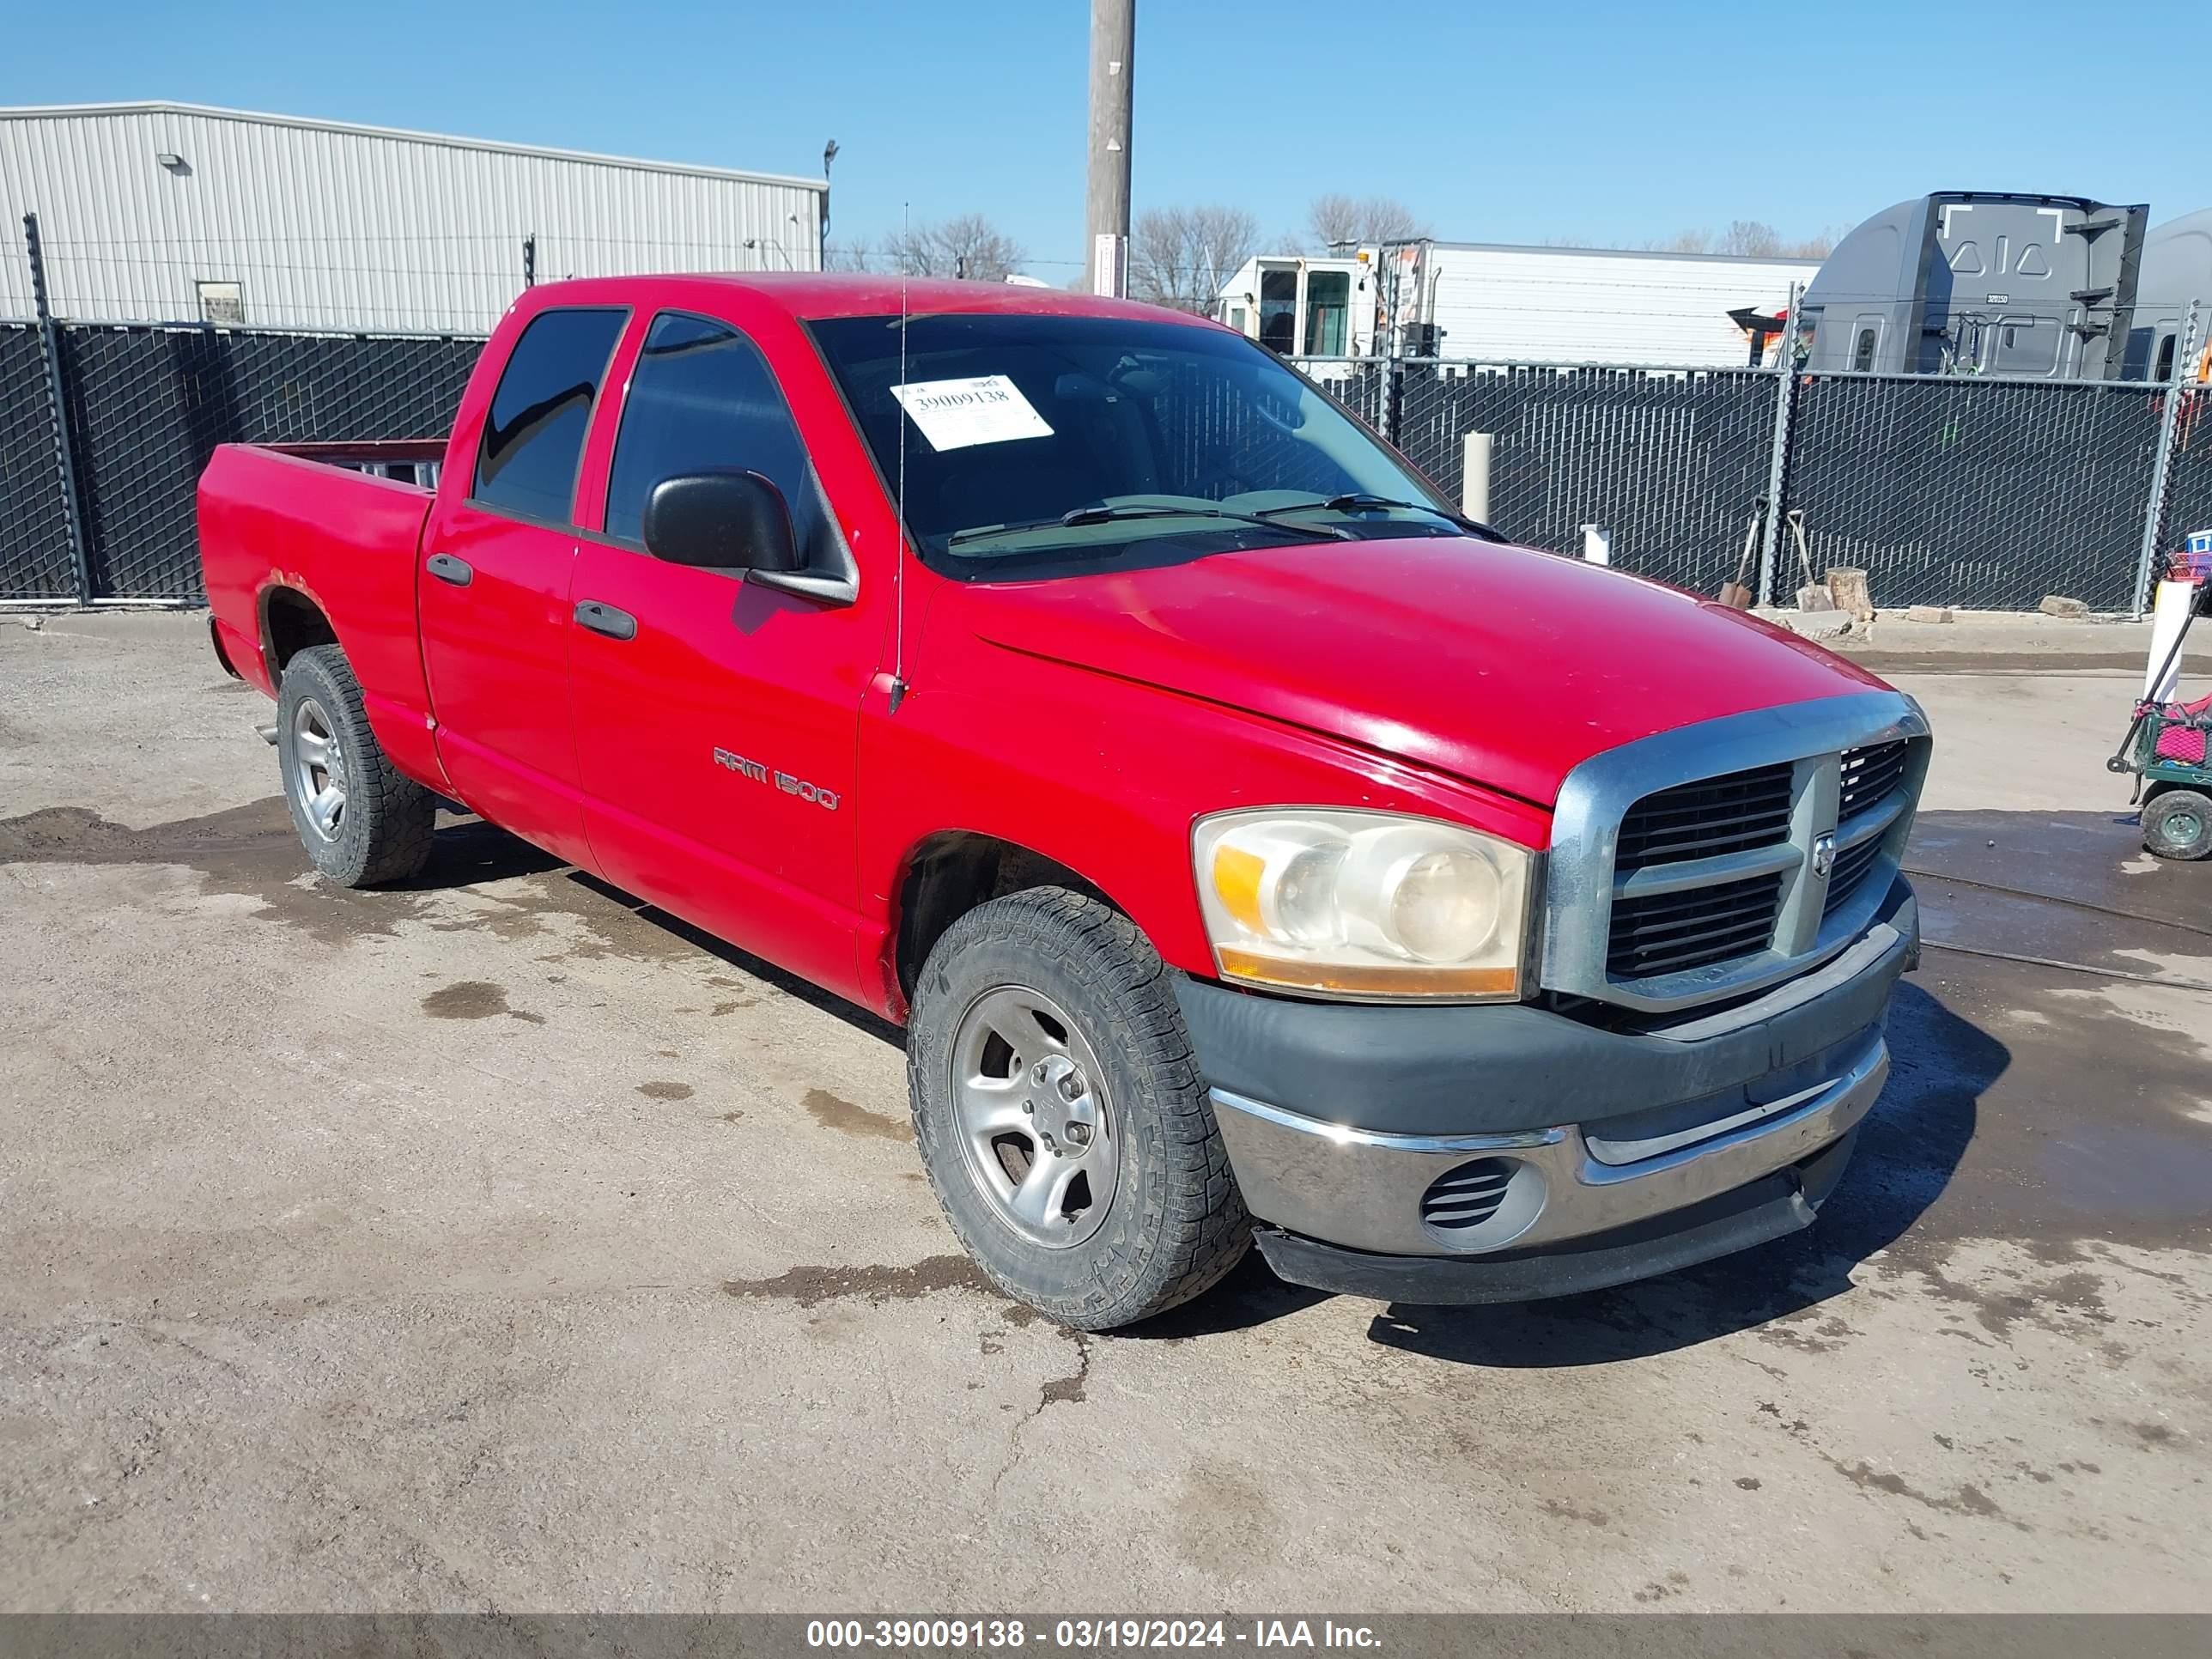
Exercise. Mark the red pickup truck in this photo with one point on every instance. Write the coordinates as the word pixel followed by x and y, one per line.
pixel 1252 848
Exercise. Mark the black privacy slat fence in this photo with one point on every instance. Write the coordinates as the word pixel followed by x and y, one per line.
pixel 145 408
pixel 34 542
pixel 1990 494
pixel 1669 464
pixel 1954 491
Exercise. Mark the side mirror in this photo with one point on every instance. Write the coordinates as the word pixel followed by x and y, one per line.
pixel 726 520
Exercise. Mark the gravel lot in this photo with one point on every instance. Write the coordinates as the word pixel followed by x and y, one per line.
pixel 499 1243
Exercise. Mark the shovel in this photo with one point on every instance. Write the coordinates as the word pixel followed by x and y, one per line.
pixel 1814 595
pixel 1737 595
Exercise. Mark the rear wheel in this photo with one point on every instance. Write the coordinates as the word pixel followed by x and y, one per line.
pixel 2176 823
pixel 1060 1115
pixel 360 821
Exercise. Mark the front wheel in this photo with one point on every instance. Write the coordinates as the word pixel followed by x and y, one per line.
pixel 2176 823
pixel 1060 1114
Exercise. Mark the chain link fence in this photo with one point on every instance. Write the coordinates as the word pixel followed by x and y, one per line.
pixel 145 408
pixel 34 546
pixel 1961 491
pixel 1668 462
pixel 2188 494
pixel 1970 491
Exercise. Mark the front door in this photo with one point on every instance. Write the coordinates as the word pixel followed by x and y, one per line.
pixel 493 589
pixel 717 720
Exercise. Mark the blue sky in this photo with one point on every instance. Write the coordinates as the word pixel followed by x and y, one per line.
pixel 1604 122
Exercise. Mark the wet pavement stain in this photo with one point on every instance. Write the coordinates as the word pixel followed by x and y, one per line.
pixel 1969 1500
pixel 469 998
pixel 1067 1390
pixel 664 1091
pixel 253 851
pixel 834 1112
pixel 808 1287
pixel 1591 1516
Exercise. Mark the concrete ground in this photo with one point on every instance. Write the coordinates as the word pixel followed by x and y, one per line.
pixel 498 1244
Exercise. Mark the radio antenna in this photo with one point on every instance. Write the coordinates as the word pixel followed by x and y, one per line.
pixel 898 567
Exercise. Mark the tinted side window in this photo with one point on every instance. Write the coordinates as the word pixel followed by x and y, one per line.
pixel 1862 355
pixel 701 398
pixel 534 434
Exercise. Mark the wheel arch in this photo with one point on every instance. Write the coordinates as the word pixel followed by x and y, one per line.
pixel 290 622
pixel 950 871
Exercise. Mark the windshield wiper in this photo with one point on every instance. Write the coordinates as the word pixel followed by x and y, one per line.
pixel 1357 500
pixel 1075 518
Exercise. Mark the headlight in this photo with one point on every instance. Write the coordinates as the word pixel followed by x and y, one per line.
pixel 1364 904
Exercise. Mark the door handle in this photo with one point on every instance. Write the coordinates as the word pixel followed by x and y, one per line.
pixel 605 619
pixel 448 569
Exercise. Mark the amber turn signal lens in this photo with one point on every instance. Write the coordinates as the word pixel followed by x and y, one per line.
pixel 1346 979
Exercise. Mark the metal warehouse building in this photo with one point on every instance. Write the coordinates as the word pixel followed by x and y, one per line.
pixel 171 212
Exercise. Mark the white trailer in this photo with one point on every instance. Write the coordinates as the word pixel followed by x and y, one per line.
pixel 1501 303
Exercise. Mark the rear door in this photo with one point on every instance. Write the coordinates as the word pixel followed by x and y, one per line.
pixel 499 559
pixel 2016 273
pixel 717 721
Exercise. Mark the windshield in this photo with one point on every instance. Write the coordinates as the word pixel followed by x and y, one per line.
pixel 1058 440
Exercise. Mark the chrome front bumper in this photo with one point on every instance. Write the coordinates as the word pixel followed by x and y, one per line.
pixel 1363 1190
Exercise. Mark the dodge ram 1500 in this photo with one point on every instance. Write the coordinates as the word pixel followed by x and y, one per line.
pixel 1252 848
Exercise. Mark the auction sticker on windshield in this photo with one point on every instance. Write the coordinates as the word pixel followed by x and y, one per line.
pixel 986 408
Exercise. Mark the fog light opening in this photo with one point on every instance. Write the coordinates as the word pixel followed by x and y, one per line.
pixel 1483 1204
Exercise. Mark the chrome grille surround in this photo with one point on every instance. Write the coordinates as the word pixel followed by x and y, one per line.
pixel 1811 737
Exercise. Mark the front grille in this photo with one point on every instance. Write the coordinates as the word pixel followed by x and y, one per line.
pixel 1851 867
pixel 1468 1196
pixel 1871 774
pixel 1669 933
pixel 1704 820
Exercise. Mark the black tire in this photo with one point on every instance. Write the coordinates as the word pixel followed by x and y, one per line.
pixel 2176 823
pixel 1175 1223
pixel 385 824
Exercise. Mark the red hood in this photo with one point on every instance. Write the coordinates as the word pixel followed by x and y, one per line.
pixel 1502 666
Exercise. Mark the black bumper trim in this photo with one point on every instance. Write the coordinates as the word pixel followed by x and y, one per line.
pixel 1771 1207
pixel 1478 1070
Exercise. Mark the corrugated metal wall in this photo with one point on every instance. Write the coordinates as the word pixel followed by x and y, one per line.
pixel 324 226
pixel 1580 305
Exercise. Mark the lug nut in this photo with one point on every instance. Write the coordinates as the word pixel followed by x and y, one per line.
pixel 1029 1106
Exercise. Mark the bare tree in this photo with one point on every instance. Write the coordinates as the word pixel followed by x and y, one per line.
pixel 855 255
pixel 1754 238
pixel 1336 220
pixel 1181 256
pixel 1750 237
pixel 969 246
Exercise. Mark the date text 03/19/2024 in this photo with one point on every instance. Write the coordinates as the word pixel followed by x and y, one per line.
pixel 1083 1634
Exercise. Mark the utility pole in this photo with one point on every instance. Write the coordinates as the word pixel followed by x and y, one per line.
pixel 1113 52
